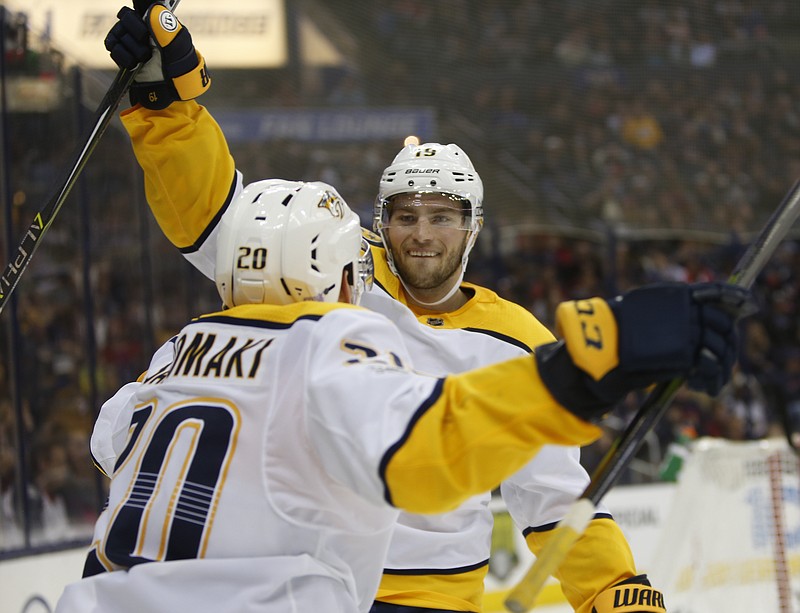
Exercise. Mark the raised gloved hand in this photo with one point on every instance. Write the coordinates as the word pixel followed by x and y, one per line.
pixel 651 334
pixel 634 595
pixel 173 69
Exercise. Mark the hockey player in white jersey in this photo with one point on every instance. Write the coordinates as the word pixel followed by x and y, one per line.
pixel 434 562
pixel 260 462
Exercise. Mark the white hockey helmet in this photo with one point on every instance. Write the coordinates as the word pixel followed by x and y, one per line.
pixel 287 241
pixel 431 168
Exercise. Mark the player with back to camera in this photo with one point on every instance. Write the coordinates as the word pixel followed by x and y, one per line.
pixel 261 461
pixel 428 214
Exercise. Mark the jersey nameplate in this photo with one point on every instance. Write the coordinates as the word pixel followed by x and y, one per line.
pixel 202 355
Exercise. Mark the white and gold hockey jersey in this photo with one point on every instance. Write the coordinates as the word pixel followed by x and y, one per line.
pixel 434 561
pixel 258 464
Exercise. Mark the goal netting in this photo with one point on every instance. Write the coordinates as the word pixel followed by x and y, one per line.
pixel 731 541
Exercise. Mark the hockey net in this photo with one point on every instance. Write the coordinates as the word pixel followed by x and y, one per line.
pixel 731 541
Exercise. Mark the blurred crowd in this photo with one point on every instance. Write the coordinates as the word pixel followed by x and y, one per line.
pixel 633 113
pixel 621 115
pixel 26 54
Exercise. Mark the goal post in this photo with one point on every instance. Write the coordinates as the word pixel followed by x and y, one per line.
pixel 731 541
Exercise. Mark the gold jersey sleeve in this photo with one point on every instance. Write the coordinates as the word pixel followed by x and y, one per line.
pixel 475 433
pixel 189 173
pixel 600 558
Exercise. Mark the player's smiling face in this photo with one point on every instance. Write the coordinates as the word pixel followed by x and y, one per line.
pixel 427 237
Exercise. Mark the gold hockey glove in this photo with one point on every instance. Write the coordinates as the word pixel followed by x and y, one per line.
pixel 634 595
pixel 651 334
pixel 173 69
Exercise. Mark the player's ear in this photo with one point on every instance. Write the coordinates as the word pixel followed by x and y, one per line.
pixel 345 293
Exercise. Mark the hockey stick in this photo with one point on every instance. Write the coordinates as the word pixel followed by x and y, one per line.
pixel 523 595
pixel 44 218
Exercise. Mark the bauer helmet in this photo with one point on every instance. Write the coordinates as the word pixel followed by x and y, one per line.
pixel 288 241
pixel 426 169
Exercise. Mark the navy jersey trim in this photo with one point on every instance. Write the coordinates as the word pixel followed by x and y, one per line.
pixel 501 337
pixel 423 408
pixel 97 464
pixel 92 565
pixel 380 285
pixel 213 223
pixel 548 527
pixel 254 323
pixel 435 571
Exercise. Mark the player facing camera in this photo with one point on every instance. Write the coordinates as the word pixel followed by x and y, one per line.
pixel 289 241
pixel 427 197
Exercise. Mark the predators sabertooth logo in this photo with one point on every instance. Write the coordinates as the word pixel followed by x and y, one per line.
pixel 333 203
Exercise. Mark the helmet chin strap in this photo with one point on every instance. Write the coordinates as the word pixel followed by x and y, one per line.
pixel 446 297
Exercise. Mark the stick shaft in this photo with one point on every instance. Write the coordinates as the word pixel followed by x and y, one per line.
pixel 570 528
pixel 523 595
pixel 32 238
pixel 43 219
pixel 744 274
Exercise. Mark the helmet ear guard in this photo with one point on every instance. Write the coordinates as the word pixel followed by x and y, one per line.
pixel 288 241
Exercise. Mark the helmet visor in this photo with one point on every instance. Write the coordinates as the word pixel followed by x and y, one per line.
pixel 366 266
pixel 439 210
pixel 362 281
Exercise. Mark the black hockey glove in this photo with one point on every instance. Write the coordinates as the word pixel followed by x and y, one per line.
pixel 173 69
pixel 634 595
pixel 651 334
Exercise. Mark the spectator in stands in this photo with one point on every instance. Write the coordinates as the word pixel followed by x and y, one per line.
pixel 745 403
